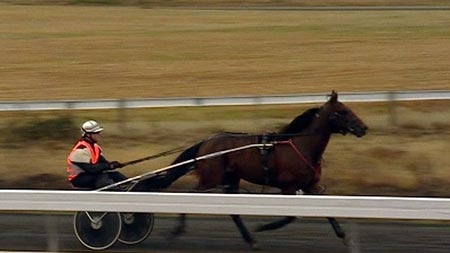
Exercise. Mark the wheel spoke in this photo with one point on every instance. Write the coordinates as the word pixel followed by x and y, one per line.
pixel 97 230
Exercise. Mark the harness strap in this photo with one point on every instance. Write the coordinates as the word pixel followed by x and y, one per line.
pixel 316 169
pixel 264 151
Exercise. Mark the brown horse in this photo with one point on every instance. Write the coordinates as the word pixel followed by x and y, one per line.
pixel 291 163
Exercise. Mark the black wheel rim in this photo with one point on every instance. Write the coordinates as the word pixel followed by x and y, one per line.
pixel 136 227
pixel 99 233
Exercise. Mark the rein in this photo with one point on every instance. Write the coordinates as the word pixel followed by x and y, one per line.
pixel 271 134
pixel 165 153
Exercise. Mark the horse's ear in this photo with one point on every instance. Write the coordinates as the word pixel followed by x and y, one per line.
pixel 333 97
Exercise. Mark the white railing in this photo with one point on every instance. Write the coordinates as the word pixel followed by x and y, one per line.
pixel 380 96
pixel 245 204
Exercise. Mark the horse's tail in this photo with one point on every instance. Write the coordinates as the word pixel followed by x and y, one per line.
pixel 165 179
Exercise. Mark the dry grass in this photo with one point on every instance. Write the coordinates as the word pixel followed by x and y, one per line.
pixel 74 52
pixel 97 52
pixel 237 3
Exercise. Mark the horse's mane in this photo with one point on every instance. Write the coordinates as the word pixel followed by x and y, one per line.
pixel 300 122
pixel 297 125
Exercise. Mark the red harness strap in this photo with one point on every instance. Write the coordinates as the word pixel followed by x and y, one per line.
pixel 316 169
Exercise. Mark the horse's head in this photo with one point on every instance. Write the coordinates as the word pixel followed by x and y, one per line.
pixel 342 119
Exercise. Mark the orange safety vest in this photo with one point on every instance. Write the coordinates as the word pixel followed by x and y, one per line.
pixel 73 170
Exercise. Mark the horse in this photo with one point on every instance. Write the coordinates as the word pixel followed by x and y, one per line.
pixel 291 163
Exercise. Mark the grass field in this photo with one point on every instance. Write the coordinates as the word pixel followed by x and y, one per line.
pixel 70 52
pixel 97 52
pixel 233 3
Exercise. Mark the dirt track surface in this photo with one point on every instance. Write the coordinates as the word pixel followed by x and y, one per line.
pixel 37 232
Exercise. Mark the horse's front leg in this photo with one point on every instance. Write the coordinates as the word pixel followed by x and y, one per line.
pixel 244 231
pixel 348 241
pixel 337 228
pixel 320 190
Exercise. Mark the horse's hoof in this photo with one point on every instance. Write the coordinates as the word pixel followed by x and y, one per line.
pixel 348 241
pixel 176 233
pixel 254 246
pixel 351 245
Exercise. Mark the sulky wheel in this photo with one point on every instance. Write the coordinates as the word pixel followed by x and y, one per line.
pixel 97 230
pixel 136 227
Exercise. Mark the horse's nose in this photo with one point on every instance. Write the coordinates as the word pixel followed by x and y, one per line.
pixel 361 129
pixel 361 125
pixel 364 129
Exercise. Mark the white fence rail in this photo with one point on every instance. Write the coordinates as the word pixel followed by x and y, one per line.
pixel 381 96
pixel 245 204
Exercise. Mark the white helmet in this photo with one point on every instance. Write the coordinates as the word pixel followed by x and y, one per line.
pixel 91 126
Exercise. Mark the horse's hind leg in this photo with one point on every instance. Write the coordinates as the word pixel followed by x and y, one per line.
pixel 278 223
pixel 180 228
pixel 230 185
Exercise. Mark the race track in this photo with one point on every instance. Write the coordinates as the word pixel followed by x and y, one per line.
pixel 39 232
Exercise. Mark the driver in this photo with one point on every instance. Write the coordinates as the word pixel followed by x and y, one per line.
pixel 86 165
